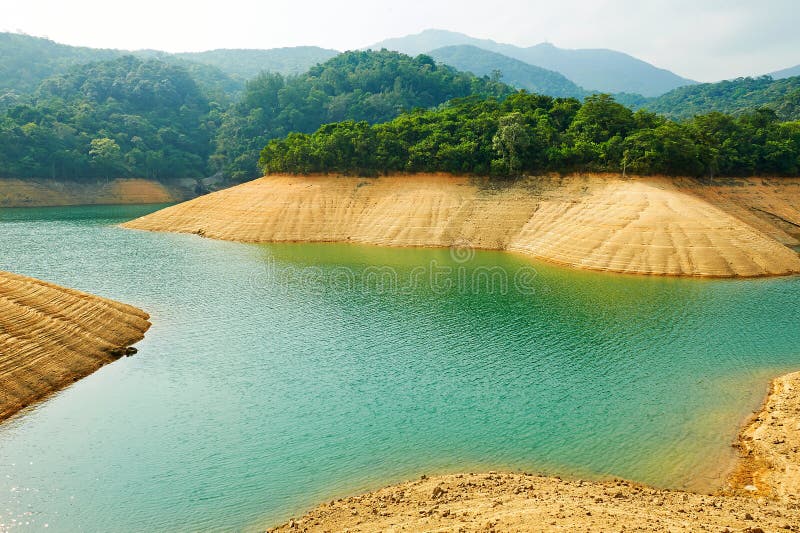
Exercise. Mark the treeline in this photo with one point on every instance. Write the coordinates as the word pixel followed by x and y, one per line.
pixel 362 86
pixel 731 96
pixel 131 117
pixel 125 117
pixel 151 118
pixel 526 133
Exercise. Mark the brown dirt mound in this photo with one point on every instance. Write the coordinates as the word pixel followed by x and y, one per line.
pixel 658 226
pixel 51 336
pixel 44 193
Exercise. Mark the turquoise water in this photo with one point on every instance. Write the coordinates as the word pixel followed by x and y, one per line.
pixel 276 377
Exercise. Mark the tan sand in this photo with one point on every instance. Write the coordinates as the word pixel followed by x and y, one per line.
pixel 523 502
pixel 43 193
pixel 653 225
pixel 51 337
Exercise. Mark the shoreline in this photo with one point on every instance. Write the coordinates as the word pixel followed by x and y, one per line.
pixel 19 193
pixel 51 337
pixel 652 226
pixel 762 491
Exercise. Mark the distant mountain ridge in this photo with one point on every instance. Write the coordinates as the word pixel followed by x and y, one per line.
pixel 513 72
pixel 249 63
pixel 786 73
pixel 25 61
pixel 592 69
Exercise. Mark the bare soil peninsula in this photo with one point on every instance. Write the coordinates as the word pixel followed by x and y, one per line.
pixel 51 337
pixel 45 193
pixel 641 225
pixel 763 496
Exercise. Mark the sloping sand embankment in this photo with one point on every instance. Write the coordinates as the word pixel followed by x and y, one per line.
pixel 51 337
pixel 762 496
pixel 45 193
pixel 646 225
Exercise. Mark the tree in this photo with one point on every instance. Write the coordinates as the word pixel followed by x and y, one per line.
pixel 511 140
pixel 106 156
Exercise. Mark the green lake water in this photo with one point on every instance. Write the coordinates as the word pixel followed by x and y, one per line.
pixel 276 377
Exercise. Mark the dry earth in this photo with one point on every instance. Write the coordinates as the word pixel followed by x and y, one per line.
pixel 764 495
pixel 652 225
pixel 51 337
pixel 42 193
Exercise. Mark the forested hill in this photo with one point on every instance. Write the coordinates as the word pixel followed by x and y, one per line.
pixel 532 134
pixel 147 118
pixel 25 61
pixel 124 117
pixel 734 96
pixel 512 71
pixel 247 64
pixel 362 86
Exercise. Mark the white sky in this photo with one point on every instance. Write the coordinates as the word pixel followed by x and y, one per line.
pixel 706 40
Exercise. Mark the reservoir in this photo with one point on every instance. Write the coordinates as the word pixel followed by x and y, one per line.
pixel 279 376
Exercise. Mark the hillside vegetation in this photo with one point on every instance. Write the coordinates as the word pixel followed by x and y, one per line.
pixel 531 133
pixel 511 71
pixel 247 64
pixel 362 86
pixel 26 61
pixel 734 96
pixel 125 117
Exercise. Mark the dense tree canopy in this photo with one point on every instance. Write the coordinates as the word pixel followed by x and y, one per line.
pixel 371 112
pixel 360 86
pixel 533 133
pixel 124 117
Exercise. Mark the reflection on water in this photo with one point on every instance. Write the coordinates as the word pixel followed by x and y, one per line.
pixel 278 376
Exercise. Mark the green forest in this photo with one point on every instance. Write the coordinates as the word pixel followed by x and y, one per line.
pixel 124 117
pixel 168 117
pixel 361 86
pixel 526 133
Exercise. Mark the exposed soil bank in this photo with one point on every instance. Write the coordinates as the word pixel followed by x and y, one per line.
pixel 47 193
pixel 51 337
pixel 641 225
pixel 763 496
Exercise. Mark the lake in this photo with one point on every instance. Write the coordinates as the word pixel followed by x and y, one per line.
pixel 279 376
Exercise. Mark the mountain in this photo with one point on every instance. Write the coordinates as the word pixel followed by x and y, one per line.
pixel 786 73
pixel 732 96
pixel 514 72
pixel 26 61
pixel 593 69
pixel 247 64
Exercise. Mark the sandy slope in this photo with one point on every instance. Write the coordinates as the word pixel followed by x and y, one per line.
pixel 51 336
pixel 41 193
pixel 522 502
pixel 660 226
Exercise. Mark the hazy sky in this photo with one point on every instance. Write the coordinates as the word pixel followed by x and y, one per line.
pixel 705 40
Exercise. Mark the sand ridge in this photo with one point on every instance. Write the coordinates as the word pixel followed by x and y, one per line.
pixel 529 502
pixel 639 225
pixel 51 336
